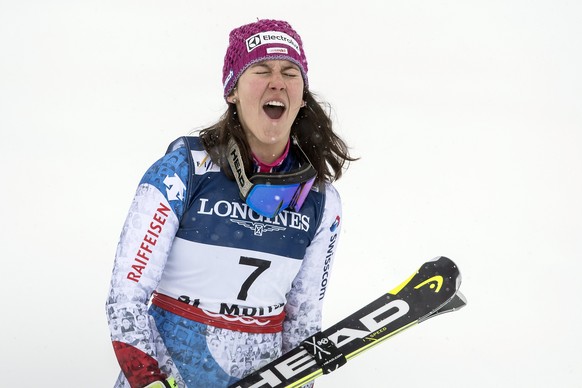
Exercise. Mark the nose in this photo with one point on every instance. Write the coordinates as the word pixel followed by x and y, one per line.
pixel 277 82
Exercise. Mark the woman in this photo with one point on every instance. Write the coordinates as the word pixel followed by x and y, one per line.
pixel 231 235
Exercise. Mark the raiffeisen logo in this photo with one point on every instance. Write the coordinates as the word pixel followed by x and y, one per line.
pixel 271 37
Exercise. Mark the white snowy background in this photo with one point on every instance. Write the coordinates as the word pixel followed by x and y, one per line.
pixel 466 116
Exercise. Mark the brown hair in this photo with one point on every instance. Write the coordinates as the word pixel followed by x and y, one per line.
pixel 326 151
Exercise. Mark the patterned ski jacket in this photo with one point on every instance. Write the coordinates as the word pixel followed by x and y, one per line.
pixel 189 237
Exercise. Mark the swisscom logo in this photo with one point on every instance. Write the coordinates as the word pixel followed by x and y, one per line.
pixel 335 224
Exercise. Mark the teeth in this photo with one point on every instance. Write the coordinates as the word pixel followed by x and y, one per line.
pixel 275 103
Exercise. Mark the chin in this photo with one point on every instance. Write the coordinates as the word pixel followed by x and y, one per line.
pixel 276 135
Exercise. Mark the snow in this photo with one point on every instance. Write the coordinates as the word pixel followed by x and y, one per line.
pixel 466 116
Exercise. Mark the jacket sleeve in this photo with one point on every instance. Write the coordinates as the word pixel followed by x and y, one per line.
pixel 144 246
pixel 305 300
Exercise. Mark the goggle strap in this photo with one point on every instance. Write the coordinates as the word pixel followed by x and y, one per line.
pixel 238 169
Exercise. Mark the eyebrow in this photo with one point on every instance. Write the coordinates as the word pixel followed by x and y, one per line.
pixel 291 66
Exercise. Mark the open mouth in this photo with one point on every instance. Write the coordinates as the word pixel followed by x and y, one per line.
pixel 274 109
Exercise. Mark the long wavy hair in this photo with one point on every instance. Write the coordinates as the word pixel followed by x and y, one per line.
pixel 326 151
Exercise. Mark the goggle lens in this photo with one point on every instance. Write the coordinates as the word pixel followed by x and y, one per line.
pixel 301 194
pixel 268 200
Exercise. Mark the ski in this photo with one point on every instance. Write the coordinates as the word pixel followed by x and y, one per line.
pixel 432 290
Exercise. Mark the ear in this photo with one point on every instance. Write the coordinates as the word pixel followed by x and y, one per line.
pixel 232 97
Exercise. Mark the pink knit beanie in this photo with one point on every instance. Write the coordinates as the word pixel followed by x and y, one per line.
pixel 259 41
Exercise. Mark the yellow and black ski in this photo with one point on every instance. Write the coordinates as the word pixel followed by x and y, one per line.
pixel 430 291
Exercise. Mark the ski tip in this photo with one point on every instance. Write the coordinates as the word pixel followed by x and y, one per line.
pixel 447 262
pixel 439 265
pixel 443 259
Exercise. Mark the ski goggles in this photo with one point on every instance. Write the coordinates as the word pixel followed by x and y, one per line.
pixel 270 193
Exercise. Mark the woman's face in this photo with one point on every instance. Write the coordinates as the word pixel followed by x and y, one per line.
pixel 268 96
